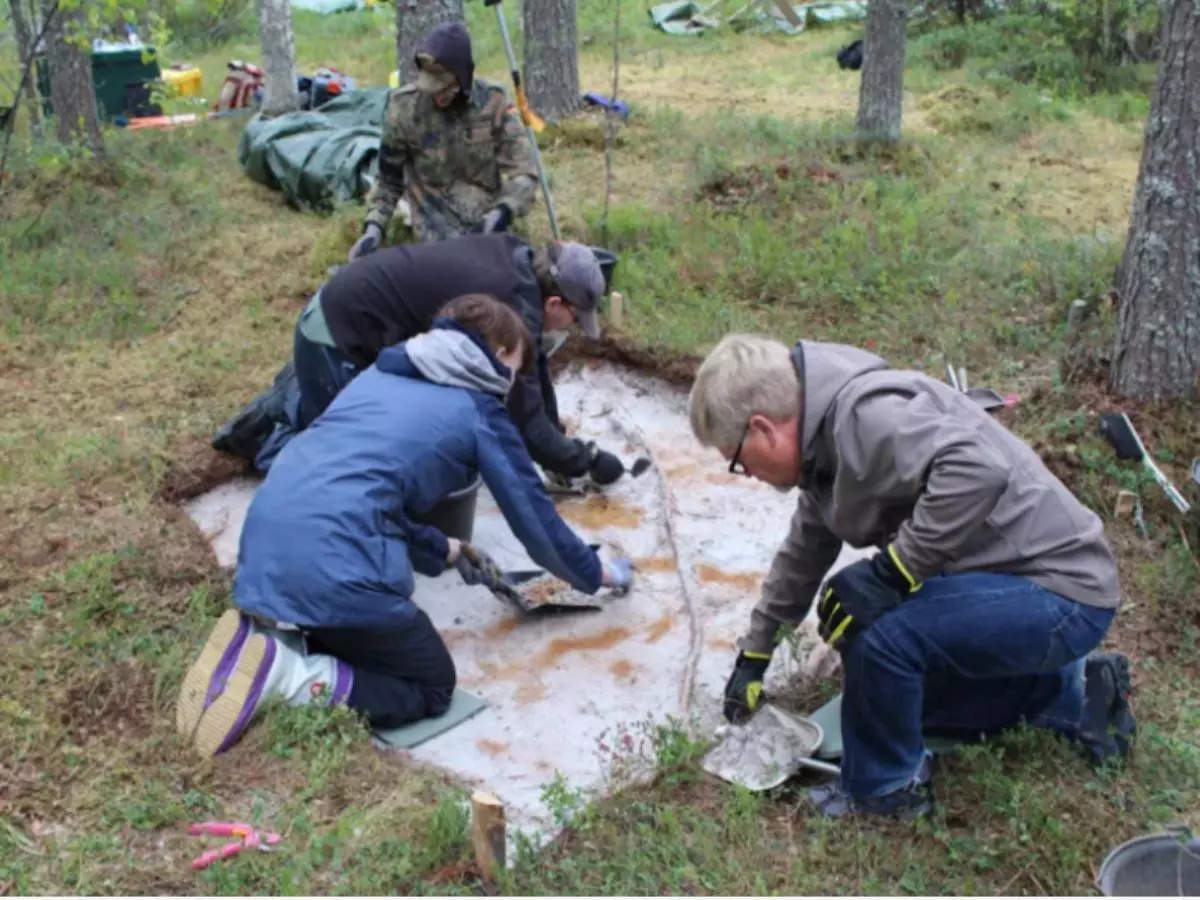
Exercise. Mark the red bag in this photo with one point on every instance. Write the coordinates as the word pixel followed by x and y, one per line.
pixel 242 87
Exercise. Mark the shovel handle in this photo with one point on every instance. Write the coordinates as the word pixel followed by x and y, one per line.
pixel 819 765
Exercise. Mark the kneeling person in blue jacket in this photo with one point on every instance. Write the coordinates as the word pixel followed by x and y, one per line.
pixel 330 541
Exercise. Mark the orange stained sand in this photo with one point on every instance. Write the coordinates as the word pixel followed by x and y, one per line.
pixel 722 478
pixel 745 580
pixel 531 691
pixel 622 668
pixel 681 470
pixel 491 748
pixel 503 627
pixel 500 673
pixel 659 628
pixel 599 511
pixel 720 644
pixel 559 647
pixel 654 563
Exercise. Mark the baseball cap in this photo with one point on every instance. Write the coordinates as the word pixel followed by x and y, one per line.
pixel 578 275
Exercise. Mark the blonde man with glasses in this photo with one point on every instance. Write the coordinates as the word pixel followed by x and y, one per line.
pixel 991 586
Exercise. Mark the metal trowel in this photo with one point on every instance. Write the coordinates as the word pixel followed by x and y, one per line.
pixel 511 593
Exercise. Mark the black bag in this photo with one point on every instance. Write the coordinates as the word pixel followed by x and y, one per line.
pixel 137 102
pixel 850 56
pixel 245 434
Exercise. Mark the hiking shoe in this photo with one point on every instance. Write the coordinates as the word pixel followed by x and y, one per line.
pixel 908 803
pixel 1108 728
pixel 207 677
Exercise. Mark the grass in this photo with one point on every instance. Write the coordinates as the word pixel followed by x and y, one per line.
pixel 142 302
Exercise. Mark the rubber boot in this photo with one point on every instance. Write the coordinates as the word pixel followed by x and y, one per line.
pixel 270 664
pixel 1109 728
pixel 209 673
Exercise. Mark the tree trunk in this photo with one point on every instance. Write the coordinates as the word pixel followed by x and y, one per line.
pixel 1157 353
pixel 551 57
pixel 413 19
pixel 25 50
pixel 72 91
pixel 881 91
pixel 279 57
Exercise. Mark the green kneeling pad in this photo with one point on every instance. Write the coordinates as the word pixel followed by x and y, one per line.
pixel 463 705
pixel 829 717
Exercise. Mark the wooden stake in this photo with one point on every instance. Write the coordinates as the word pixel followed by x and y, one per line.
pixel 616 309
pixel 488 832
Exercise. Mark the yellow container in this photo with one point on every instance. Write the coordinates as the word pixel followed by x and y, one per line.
pixel 394 79
pixel 186 82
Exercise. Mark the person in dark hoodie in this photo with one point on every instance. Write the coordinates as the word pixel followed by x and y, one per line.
pixel 331 540
pixel 992 583
pixel 394 294
pixel 452 147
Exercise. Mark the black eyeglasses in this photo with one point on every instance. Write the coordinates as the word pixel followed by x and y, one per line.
pixel 736 466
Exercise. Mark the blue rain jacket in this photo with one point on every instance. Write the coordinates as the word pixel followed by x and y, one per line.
pixel 329 539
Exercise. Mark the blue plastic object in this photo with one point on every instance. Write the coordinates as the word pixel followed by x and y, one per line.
pixel 620 107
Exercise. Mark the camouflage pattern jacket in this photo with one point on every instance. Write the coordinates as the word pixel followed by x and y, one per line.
pixel 452 165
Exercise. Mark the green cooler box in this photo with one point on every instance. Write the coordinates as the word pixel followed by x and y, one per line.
pixel 122 79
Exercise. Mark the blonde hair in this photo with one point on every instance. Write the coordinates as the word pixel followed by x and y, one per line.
pixel 743 375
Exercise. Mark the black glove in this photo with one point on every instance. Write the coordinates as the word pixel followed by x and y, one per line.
pixel 476 567
pixel 604 467
pixel 368 243
pixel 744 689
pixel 495 219
pixel 860 594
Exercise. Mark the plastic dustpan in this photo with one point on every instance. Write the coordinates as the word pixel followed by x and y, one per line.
pixel 765 752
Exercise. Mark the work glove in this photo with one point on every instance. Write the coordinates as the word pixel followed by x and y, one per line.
pixel 368 243
pixel 496 219
pixel 861 593
pixel 476 567
pixel 619 571
pixel 744 689
pixel 603 467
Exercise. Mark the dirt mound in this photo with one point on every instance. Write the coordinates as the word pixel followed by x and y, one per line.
pixel 198 468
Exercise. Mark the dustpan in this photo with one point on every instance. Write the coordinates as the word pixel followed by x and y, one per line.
pixel 768 750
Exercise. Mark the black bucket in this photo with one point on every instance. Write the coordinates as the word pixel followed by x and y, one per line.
pixel 454 514
pixel 1155 865
pixel 608 263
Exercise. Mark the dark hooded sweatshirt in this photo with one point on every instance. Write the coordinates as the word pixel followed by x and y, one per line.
pixel 393 294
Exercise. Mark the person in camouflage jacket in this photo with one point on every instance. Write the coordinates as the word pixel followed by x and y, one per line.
pixel 452 147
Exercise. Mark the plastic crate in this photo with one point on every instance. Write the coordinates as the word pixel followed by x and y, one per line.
pixel 183 81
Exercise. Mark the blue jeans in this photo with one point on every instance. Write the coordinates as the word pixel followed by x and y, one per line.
pixel 967 654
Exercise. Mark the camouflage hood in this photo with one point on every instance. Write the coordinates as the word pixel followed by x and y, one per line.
pixel 450 46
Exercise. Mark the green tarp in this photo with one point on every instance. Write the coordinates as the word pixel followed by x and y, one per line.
pixel 681 18
pixel 685 17
pixel 318 158
pixel 326 7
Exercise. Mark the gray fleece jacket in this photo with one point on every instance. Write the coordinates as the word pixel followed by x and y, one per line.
pixel 894 456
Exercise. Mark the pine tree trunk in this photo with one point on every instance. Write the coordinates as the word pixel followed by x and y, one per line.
pixel 1157 353
pixel 72 91
pixel 279 57
pixel 551 57
pixel 881 91
pixel 413 19
pixel 25 50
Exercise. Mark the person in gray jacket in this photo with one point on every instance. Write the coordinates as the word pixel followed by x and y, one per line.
pixel 992 586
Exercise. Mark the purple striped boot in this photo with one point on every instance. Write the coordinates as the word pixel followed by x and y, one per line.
pixel 270 664
pixel 210 672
